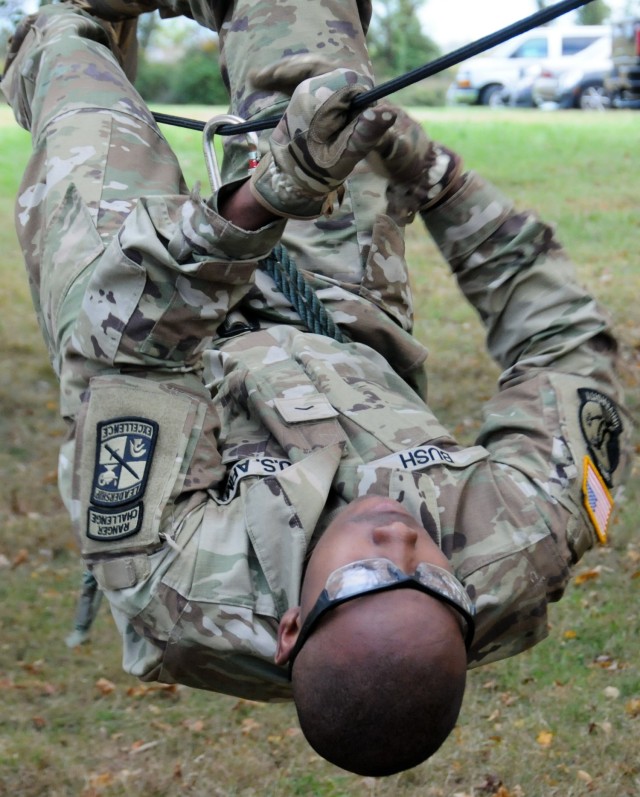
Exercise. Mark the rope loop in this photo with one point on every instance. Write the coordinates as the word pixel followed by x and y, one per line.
pixel 291 283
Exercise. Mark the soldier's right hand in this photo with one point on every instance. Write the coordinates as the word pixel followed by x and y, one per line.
pixel 316 145
pixel 421 172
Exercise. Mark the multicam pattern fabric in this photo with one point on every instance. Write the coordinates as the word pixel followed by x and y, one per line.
pixel 316 146
pixel 199 544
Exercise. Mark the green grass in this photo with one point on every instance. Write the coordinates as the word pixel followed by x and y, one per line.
pixel 561 720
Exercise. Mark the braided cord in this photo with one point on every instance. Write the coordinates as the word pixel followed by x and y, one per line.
pixel 303 298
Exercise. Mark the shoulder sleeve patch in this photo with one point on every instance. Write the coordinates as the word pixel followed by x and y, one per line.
pixel 124 452
pixel 601 427
pixel 597 499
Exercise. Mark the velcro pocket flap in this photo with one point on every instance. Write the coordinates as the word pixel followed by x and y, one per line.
pixel 132 441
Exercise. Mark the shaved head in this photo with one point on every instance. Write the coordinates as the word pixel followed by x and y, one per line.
pixel 379 684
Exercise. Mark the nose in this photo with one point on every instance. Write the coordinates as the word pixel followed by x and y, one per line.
pixel 396 533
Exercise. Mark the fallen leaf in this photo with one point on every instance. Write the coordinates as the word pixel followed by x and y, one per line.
pixel 612 692
pixel 606 727
pixel 587 575
pixel 544 738
pixel 142 747
pixel 585 777
pixel 570 634
pixel 249 725
pixel 105 687
pixel 633 707
pixel 101 779
pixel 38 723
pixel 20 558
pixel 142 690
pixel 195 726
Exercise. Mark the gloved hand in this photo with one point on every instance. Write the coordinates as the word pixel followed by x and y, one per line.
pixel 421 172
pixel 318 142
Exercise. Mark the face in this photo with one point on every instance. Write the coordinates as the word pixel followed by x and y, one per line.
pixel 369 527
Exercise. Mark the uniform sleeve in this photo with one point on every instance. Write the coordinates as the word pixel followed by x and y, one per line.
pixel 557 432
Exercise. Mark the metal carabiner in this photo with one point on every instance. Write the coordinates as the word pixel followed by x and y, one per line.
pixel 210 151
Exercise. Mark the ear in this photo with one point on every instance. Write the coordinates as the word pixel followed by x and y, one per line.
pixel 288 631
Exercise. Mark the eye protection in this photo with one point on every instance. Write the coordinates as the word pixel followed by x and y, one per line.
pixel 368 576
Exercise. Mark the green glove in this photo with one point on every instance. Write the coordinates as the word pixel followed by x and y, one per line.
pixel 421 172
pixel 318 142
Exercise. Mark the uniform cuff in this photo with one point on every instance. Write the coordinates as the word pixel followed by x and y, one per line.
pixel 465 220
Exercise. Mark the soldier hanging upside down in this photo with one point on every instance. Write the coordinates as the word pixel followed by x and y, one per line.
pixel 272 512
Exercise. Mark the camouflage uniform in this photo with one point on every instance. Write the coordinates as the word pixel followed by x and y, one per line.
pixel 201 466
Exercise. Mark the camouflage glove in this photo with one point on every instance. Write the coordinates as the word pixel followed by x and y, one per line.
pixel 318 141
pixel 421 172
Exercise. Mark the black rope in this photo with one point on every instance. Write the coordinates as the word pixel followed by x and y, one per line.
pixel 540 17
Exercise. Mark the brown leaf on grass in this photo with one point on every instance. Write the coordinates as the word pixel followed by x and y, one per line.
pixel 195 726
pixel 248 725
pixel 491 685
pixel 160 726
pixel 587 575
pixel 596 727
pixel 142 690
pixel 508 698
pixel 606 662
pixel 20 558
pixel 632 707
pixel 34 667
pixel 38 723
pixel 104 686
pixel 585 777
pixel 100 780
pixel 142 747
pixel 177 771
pixel 544 738
pixel 503 792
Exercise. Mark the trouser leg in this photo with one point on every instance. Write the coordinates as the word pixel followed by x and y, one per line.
pixel 109 232
pixel 89 127
pixel 256 34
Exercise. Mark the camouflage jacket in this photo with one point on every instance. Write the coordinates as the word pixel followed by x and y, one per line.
pixel 208 551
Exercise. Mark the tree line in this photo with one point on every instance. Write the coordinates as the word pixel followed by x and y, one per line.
pixel 177 61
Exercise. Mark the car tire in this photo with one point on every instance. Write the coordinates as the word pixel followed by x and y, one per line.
pixel 593 98
pixel 492 95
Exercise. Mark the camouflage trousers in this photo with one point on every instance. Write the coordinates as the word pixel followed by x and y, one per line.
pixel 97 150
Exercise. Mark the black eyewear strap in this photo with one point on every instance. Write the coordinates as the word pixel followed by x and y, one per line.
pixel 325 603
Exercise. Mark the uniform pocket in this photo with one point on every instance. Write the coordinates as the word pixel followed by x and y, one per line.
pixel 71 243
pixel 110 300
pixel 136 440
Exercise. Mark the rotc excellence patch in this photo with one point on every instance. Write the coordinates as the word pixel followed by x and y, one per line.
pixel 124 450
pixel 601 427
pixel 597 499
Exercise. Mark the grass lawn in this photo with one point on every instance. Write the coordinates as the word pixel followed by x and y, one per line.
pixel 562 719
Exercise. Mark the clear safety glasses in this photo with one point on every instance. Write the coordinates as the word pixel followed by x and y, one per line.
pixel 367 576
